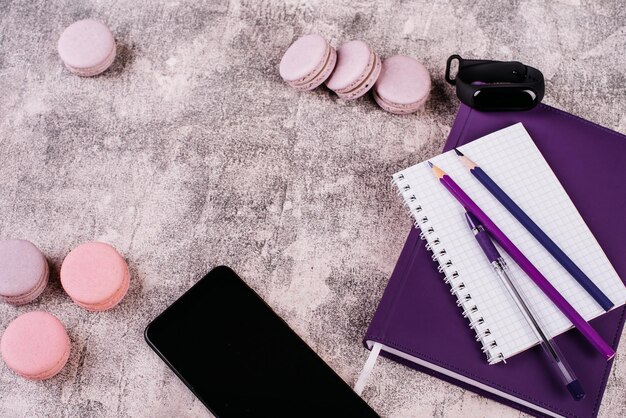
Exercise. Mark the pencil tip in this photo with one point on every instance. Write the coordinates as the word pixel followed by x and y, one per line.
pixel 438 172
pixel 576 390
pixel 465 160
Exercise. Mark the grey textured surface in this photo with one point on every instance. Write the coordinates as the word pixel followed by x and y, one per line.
pixel 190 152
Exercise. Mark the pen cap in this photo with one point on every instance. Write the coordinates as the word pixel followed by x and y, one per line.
pixel 483 238
pixel 576 390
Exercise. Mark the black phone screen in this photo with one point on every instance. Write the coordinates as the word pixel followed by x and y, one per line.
pixel 242 360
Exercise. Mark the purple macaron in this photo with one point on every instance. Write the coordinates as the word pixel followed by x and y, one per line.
pixel 23 271
pixel 87 47
pixel 308 62
pixel 357 69
pixel 403 85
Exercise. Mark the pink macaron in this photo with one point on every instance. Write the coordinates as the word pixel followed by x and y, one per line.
pixel 23 271
pixel 35 345
pixel 403 85
pixel 95 276
pixel 87 47
pixel 356 71
pixel 308 62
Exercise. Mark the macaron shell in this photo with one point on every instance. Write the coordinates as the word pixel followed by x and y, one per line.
pixel 33 294
pixel 23 271
pixel 112 301
pixel 354 63
pixel 87 45
pixel 62 362
pixel 304 59
pixel 325 72
pixel 366 84
pixel 399 109
pixel 403 83
pixel 55 369
pixel 93 273
pixel 98 69
pixel 35 345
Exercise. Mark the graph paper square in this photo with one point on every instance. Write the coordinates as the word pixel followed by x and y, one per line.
pixel 513 161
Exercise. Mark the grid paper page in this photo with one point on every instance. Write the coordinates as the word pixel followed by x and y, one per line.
pixel 513 161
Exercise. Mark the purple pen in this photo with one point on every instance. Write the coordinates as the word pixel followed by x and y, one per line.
pixel 547 343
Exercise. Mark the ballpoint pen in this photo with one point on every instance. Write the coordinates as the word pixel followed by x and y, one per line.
pixel 547 343
pixel 525 264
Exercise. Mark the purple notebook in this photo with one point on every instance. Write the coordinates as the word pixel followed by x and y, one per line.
pixel 419 323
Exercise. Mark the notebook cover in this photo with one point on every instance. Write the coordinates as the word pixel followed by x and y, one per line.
pixel 418 315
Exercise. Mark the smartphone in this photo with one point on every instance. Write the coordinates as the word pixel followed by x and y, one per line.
pixel 242 360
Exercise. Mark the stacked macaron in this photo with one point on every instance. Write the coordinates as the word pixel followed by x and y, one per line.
pixel 95 276
pixel 23 272
pixel 35 345
pixel 400 84
pixel 403 85
pixel 356 71
pixel 308 62
pixel 87 47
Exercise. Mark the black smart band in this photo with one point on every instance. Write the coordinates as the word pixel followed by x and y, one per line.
pixel 496 85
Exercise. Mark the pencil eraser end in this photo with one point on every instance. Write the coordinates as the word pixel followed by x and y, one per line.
pixel 576 389
pixel 608 305
pixel 608 352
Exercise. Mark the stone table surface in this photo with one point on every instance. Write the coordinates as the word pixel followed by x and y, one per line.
pixel 190 152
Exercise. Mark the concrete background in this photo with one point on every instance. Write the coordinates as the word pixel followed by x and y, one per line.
pixel 191 152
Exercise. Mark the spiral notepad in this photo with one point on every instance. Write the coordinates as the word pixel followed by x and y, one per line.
pixel 514 162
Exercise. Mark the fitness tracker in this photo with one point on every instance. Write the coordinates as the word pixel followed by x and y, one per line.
pixel 496 85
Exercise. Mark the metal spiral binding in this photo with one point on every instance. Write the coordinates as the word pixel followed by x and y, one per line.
pixel 458 287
